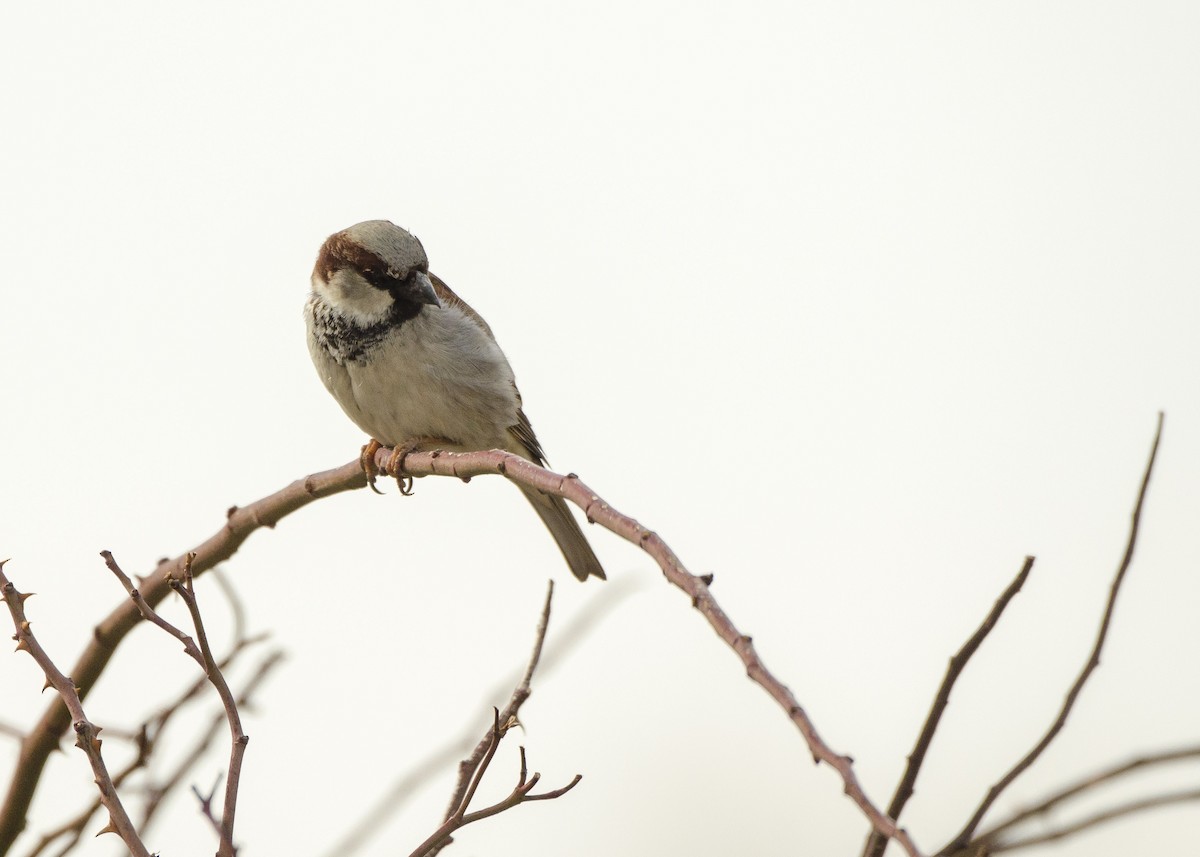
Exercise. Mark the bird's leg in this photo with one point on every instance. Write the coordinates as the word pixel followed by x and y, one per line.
pixel 401 451
pixel 368 463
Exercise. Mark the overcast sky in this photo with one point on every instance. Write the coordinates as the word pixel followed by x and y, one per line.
pixel 856 304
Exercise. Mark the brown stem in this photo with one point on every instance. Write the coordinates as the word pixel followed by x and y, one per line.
pixel 964 836
pixel 1087 783
pixel 240 739
pixel 86 732
pixel 468 766
pixel 520 794
pixel 468 464
pixel 1135 806
pixel 240 523
pixel 876 844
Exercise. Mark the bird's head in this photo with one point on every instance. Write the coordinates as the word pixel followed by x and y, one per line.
pixel 371 270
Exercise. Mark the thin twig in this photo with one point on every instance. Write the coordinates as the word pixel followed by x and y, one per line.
pixel 460 817
pixel 964 836
pixel 1087 783
pixel 146 738
pixel 389 802
pixel 205 802
pixel 149 614
pixel 463 465
pixel 202 654
pixel 1136 806
pixel 86 732
pixel 238 526
pixel 202 743
pixel 876 844
pixel 508 715
pixel 470 770
pixel 239 739
pixel 73 829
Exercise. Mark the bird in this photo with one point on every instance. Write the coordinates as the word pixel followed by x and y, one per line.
pixel 415 367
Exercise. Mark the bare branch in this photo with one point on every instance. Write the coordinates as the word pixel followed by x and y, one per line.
pixel 145 738
pixel 876 844
pixel 203 656
pixel 390 801
pixel 1136 806
pixel 1087 783
pixel 203 741
pixel 468 766
pixel 148 613
pixel 205 802
pixel 470 770
pixel 465 465
pixel 1093 661
pixel 73 829
pixel 240 739
pixel 240 523
pixel 521 793
pixel 86 732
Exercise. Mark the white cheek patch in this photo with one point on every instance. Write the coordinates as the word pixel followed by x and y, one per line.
pixel 353 296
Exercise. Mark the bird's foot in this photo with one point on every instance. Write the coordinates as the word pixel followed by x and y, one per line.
pixel 401 451
pixel 368 463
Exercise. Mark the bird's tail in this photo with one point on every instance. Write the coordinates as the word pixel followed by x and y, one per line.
pixel 558 520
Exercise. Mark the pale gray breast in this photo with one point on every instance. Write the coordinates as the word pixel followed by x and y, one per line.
pixel 437 376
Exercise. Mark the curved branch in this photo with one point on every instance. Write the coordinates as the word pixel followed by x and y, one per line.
pixel 388 803
pixel 1087 783
pixel 269 510
pixel 521 793
pixel 876 844
pixel 507 717
pixel 240 524
pixel 87 733
pixel 964 836
pixel 465 465
pixel 1135 806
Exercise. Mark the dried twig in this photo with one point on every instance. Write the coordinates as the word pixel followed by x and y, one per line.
pixel 146 738
pixel 1130 808
pixel 240 523
pixel 204 740
pixel 467 768
pixel 964 836
pixel 465 465
pixel 1085 784
pixel 266 512
pixel 203 656
pixel 388 802
pixel 520 794
pixel 72 830
pixel 876 844
pixel 86 732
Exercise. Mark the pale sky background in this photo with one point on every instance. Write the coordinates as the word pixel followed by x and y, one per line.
pixel 857 304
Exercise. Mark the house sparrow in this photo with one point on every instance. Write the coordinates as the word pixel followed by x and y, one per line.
pixel 415 367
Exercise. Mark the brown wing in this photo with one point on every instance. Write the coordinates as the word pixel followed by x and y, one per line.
pixel 448 298
pixel 552 510
pixel 523 432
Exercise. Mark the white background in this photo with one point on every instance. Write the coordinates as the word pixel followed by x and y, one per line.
pixel 856 303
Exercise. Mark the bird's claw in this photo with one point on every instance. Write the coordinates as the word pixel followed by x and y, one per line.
pixel 401 451
pixel 368 463
pixel 395 466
